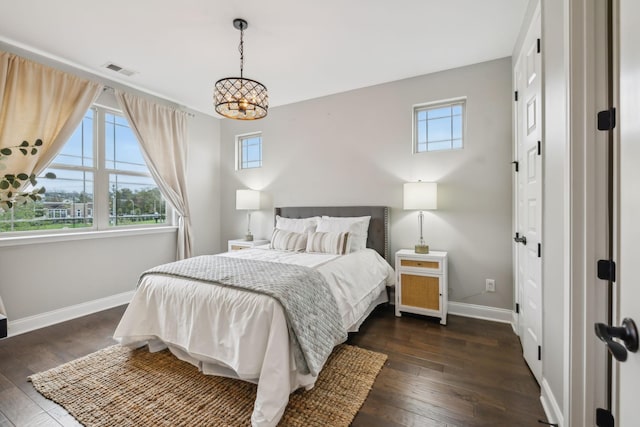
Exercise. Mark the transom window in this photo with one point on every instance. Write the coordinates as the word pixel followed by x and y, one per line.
pixel 438 126
pixel 249 151
pixel 91 194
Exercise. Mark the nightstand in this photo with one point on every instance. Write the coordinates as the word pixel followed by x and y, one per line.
pixel 238 244
pixel 421 283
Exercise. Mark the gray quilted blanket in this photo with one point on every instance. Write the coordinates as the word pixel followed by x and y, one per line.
pixel 315 325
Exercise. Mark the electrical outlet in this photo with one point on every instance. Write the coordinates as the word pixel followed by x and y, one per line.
pixel 490 285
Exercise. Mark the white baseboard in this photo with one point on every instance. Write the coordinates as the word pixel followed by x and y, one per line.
pixel 30 323
pixel 484 312
pixel 514 323
pixel 550 405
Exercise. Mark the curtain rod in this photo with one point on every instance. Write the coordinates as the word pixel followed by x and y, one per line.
pixel 106 88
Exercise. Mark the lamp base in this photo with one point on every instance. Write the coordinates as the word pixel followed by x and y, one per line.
pixel 422 249
pixel 249 237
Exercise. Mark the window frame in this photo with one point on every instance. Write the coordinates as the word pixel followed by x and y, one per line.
pixel 100 204
pixel 239 139
pixel 433 105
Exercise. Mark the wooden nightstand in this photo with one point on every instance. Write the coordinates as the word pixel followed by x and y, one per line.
pixel 421 283
pixel 238 244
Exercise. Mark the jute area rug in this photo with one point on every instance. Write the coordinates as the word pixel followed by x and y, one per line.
pixel 120 387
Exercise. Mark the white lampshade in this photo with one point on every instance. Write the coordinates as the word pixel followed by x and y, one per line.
pixel 420 196
pixel 248 199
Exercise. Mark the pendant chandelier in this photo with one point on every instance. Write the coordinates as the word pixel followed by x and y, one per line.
pixel 239 98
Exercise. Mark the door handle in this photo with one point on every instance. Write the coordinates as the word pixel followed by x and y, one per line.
pixel 628 333
pixel 519 239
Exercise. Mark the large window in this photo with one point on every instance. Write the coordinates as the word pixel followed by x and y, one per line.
pixel 89 193
pixel 438 126
pixel 249 149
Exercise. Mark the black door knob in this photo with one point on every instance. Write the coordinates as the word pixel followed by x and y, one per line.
pixel 628 333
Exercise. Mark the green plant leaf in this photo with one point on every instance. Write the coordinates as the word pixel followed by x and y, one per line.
pixel 9 194
pixel 4 184
pixel 50 175
pixel 23 151
pixel 23 176
pixel 38 142
pixel 33 197
pixel 34 151
pixel 41 190
pixel 6 151
pixel 10 177
pixel 32 180
pixel 16 184
pixel 9 204
pixel 24 144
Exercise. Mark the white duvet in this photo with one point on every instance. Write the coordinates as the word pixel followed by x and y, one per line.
pixel 229 332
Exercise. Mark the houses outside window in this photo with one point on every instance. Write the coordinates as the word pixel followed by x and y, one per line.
pixel 249 151
pixel 438 126
pixel 93 194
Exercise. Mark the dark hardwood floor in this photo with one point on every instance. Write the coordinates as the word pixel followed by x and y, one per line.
pixel 468 373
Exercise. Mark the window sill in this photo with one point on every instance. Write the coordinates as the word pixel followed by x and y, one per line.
pixel 83 235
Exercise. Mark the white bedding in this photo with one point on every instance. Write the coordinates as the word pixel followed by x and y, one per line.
pixel 234 333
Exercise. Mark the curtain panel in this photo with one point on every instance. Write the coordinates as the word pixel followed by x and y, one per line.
pixel 162 134
pixel 38 102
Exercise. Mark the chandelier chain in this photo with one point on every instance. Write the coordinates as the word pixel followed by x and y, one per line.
pixel 241 49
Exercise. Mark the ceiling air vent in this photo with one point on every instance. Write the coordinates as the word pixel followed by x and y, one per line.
pixel 118 69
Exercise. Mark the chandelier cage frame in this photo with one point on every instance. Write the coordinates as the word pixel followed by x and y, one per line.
pixel 240 98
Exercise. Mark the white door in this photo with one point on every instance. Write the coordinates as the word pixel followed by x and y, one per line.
pixel 629 233
pixel 529 197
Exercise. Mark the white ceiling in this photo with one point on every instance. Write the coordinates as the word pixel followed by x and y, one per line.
pixel 299 49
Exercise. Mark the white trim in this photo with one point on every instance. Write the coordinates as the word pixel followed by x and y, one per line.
pixel 514 322
pixel 483 312
pixel 30 323
pixel 83 235
pixel 550 404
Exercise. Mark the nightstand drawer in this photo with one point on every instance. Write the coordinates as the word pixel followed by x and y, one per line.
pixel 432 265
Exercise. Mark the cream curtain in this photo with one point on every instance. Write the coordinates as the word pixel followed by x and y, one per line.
pixel 38 102
pixel 162 133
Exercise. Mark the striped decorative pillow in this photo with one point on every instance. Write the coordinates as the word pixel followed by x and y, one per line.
pixel 288 240
pixel 328 243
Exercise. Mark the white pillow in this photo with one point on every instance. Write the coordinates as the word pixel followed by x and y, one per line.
pixel 357 227
pixel 299 225
pixel 288 240
pixel 328 243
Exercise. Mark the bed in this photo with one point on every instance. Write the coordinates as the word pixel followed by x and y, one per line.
pixel 255 335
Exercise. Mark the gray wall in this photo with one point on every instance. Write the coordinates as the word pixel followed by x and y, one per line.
pixel 354 148
pixel 37 278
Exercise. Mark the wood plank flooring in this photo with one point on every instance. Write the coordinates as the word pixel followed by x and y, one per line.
pixel 468 373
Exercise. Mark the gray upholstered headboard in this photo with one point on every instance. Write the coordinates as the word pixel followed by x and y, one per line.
pixel 378 237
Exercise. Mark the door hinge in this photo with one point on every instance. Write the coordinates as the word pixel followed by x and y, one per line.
pixel 515 95
pixel 539 250
pixel 515 162
pixel 607 270
pixel 539 148
pixel 604 418
pixel 539 353
pixel 517 308
pixel 538 45
pixel 607 119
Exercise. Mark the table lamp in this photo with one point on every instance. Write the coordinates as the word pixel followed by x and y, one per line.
pixel 421 196
pixel 248 200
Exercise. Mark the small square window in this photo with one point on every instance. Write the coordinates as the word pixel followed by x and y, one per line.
pixel 249 149
pixel 438 126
